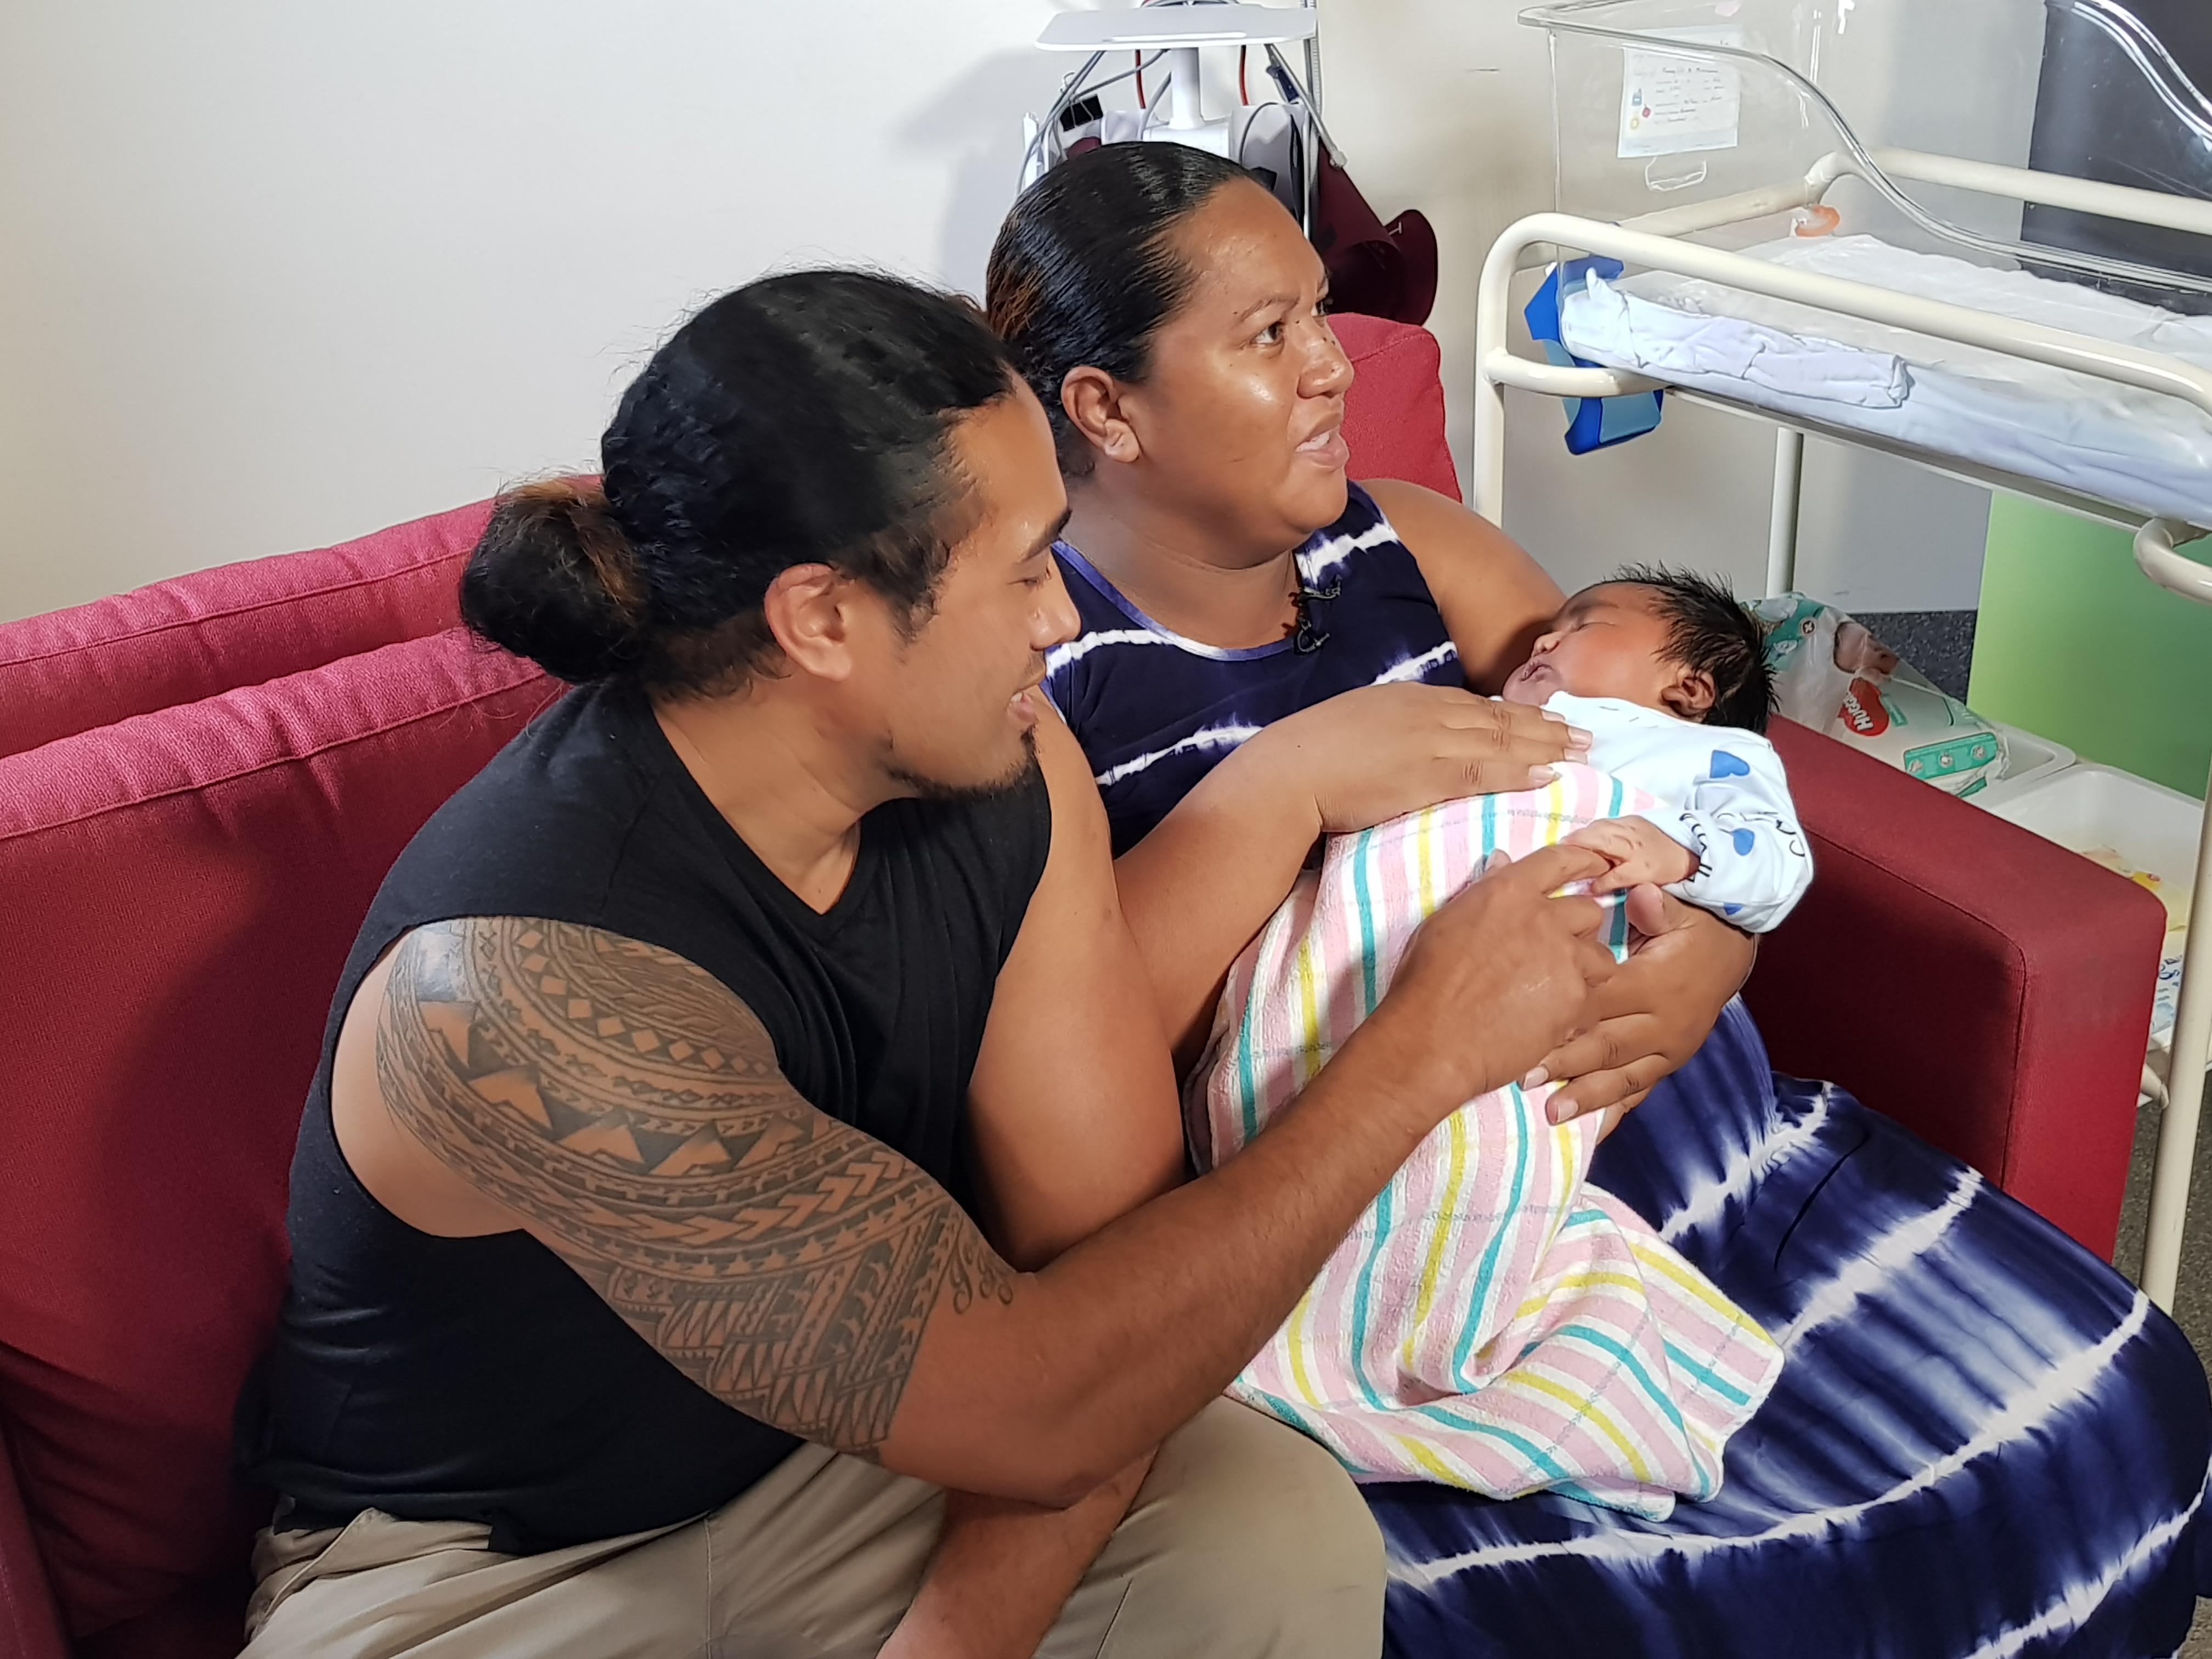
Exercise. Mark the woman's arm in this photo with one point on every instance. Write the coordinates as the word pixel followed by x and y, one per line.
pixel 1495 599
pixel 1204 882
pixel 1198 888
pixel 1059 1150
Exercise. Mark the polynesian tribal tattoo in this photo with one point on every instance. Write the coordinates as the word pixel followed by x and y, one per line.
pixel 624 1103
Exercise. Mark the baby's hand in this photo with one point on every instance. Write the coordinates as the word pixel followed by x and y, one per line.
pixel 1639 851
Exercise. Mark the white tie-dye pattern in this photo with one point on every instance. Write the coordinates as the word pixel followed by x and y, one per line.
pixel 1212 737
pixel 1867 1273
pixel 1413 668
pixel 1076 650
pixel 2063 1384
pixel 1320 559
pixel 2078 1601
pixel 1705 1202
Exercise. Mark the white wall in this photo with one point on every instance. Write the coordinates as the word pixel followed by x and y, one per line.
pixel 1446 105
pixel 275 274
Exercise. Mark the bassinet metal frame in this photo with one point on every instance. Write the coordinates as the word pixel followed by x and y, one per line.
pixel 1656 241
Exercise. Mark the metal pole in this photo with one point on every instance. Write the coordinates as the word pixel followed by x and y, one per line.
pixel 1782 527
pixel 1313 60
pixel 1186 112
pixel 1492 308
pixel 2184 1101
pixel 2193 1018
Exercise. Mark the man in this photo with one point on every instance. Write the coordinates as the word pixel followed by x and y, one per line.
pixel 640 1302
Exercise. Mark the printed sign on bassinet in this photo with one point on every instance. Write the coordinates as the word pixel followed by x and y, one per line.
pixel 1673 104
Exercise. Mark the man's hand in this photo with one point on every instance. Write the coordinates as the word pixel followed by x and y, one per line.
pixel 1003 1570
pixel 1641 852
pixel 1657 1012
pixel 1500 976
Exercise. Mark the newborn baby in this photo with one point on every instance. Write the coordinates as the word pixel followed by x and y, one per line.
pixel 1494 1321
pixel 1648 663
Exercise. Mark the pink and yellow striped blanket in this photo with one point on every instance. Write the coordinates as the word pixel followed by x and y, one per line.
pixel 1494 1321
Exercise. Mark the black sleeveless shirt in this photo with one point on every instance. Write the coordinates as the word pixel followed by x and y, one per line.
pixel 480 1379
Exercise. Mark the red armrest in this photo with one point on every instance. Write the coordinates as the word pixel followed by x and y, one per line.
pixel 1987 988
pixel 29 1627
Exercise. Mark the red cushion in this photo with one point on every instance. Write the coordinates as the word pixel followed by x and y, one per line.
pixel 182 889
pixel 1988 989
pixel 238 624
pixel 1394 418
pixel 28 1628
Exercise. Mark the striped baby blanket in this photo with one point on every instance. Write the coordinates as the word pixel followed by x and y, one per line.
pixel 1493 1321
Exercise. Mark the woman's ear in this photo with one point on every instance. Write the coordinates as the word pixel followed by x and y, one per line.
pixel 1689 696
pixel 1092 400
pixel 807 609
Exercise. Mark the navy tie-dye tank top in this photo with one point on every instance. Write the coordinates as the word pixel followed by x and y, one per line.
pixel 1156 712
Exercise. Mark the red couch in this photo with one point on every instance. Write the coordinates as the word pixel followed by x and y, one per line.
pixel 202 783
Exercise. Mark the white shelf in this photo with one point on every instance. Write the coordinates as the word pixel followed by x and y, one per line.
pixel 1145 27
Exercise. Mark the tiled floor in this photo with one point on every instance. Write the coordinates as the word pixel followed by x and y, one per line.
pixel 1939 643
pixel 2192 1301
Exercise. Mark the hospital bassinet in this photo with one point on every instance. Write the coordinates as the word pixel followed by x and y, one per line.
pixel 1974 234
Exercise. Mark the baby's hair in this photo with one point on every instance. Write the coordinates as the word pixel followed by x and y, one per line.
pixel 1709 630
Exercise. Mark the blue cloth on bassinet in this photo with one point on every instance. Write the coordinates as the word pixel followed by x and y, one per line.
pixel 1985 1442
pixel 1593 424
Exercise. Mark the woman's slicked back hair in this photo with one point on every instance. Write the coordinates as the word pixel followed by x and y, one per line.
pixel 1082 272
pixel 803 419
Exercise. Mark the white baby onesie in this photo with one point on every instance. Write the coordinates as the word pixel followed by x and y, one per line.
pixel 1730 800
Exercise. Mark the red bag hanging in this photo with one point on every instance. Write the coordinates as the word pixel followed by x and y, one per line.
pixel 1375 269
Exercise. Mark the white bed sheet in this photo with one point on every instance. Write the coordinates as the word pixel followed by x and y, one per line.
pixel 2137 449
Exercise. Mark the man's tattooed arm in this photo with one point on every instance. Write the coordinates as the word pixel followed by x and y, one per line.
pixel 629 1108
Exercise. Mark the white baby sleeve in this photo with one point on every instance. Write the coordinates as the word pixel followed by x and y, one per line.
pixel 1753 864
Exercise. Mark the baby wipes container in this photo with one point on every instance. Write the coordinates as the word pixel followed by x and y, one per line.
pixel 2131 825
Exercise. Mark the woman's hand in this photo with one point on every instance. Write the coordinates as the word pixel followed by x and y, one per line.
pixel 1657 1012
pixel 1368 755
pixel 1198 888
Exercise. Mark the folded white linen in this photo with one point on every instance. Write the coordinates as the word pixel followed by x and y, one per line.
pixel 2142 450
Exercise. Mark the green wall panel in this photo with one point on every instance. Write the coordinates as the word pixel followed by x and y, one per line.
pixel 2078 645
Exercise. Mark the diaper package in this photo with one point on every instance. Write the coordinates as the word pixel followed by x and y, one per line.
pixel 1832 674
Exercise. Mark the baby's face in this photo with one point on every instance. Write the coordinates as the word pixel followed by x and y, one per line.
pixel 1607 641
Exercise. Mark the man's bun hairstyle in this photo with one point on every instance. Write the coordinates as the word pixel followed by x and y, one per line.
pixel 803 419
pixel 552 580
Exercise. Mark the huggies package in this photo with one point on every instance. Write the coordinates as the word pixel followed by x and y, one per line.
pixel 1832 674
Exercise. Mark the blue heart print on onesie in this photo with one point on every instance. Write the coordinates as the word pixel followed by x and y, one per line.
pixel 1743 838
pixel 1726 765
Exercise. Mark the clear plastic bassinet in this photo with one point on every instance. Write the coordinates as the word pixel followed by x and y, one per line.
pixel 1991 165
pixel 1664 105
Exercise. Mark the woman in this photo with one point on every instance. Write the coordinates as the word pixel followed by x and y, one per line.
pixel 1185 524
pixel 1983 1440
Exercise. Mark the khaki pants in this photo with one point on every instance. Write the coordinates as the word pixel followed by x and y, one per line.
pixel 1246 1539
